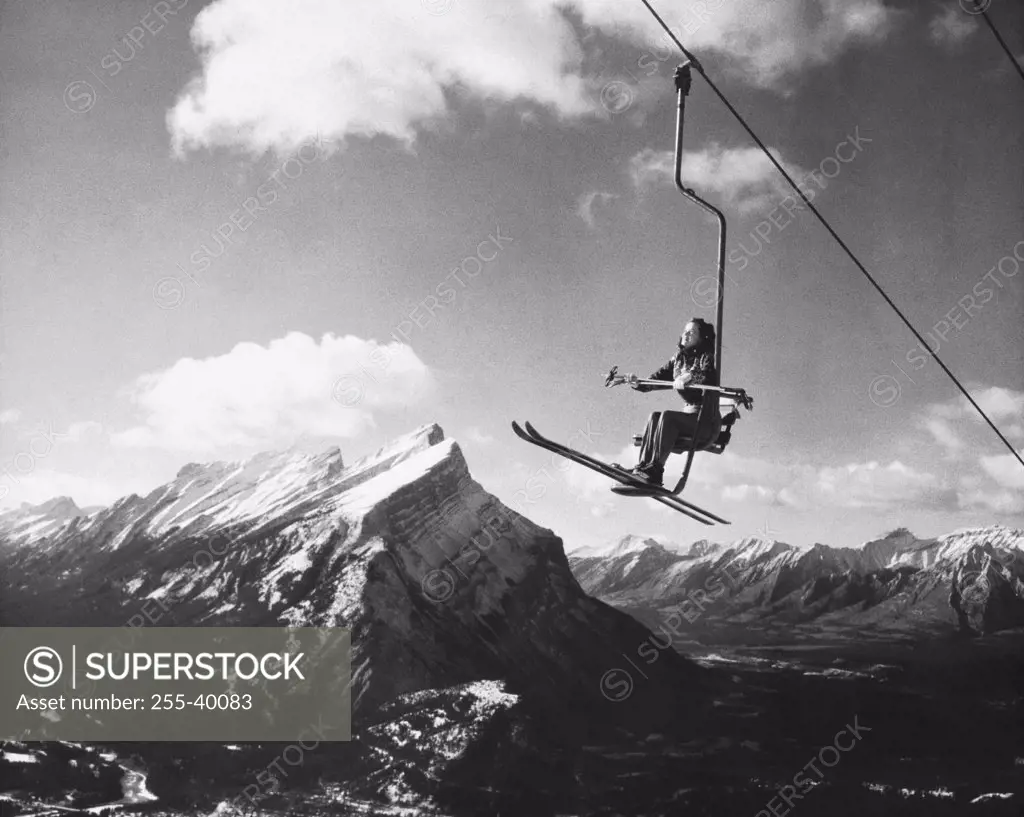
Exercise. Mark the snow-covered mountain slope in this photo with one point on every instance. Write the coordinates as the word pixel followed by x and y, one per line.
pixel 970 579
pixel 439 582
pixel 634 570
pixel 28 523
pixel 630 543
pixel 207 499
pixel 953 546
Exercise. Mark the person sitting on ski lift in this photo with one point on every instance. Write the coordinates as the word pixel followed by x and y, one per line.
pixel 693 364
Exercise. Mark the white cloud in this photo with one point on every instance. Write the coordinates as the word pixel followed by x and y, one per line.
pixel 475 435
pixel 585 205
pixel 76 432
pixel 9 416
pixel 765 42
pixel 1005 469
pixel 999 484
pixel 943 434
pixel 997 402
pixel 744 177
pixel 873 485
pixel 591 487
pixel 749 480
pixel 1005 407
pixel 277 72
pixel 1001 501
pixel 951 27
pixel 260 396
pixel 749 493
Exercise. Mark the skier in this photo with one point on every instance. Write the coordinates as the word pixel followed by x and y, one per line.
pixel 692 364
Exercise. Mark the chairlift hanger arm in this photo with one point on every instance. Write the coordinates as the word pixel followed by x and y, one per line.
pixel 683 81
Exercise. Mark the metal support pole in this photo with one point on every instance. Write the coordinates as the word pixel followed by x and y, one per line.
pixel 683 80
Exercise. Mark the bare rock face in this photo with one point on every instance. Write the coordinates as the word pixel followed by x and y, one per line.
pixel 986 594
pixel 439 582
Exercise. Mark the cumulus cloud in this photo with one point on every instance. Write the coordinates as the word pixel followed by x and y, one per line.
pixel 874 485
pixel 588 486
pixel 276 72
pixel 475 435
pixel 999 484
pixel 943 434
pixel 743 177
pixel 260 396
pixel 1005 470
pixel 998 403
pixel 951 27
pixel 1004 407
pixel 9 417
pixel 750 480
pixel 585 205
pixel 997 501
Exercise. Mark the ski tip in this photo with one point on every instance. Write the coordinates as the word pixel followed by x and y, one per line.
pixel 518 431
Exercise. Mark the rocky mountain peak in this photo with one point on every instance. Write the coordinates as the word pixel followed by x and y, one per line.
pixel 753 548
pixel 29 521
pixel 59 506
pixel 703 547
pixel 633 544
pixel 439 582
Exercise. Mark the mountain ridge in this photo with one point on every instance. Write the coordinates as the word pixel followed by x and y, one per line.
pixel 971 579
pixel 440 583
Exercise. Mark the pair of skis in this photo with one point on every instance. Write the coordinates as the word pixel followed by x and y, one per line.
pixel 634 486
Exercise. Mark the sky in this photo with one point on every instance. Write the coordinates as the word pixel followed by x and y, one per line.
pixel 250 225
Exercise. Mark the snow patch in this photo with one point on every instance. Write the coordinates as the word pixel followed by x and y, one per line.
pixel 490 695
pixel 364 496
pixel 19 757
pixel 983 798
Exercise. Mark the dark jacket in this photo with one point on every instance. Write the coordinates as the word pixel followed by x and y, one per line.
pixel 702 373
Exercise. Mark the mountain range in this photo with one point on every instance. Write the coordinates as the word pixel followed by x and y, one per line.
pixel 970 581
pixel 491 674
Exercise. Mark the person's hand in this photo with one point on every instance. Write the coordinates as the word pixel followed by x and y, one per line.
pixel 681 382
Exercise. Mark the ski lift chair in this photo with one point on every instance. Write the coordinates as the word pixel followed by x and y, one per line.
pixel 718 411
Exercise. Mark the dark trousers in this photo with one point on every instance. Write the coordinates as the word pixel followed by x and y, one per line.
pixel 663 429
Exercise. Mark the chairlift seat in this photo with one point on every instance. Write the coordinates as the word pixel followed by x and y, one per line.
pixel 715 427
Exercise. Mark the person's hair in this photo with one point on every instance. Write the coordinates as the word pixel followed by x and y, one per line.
pixel 707 338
